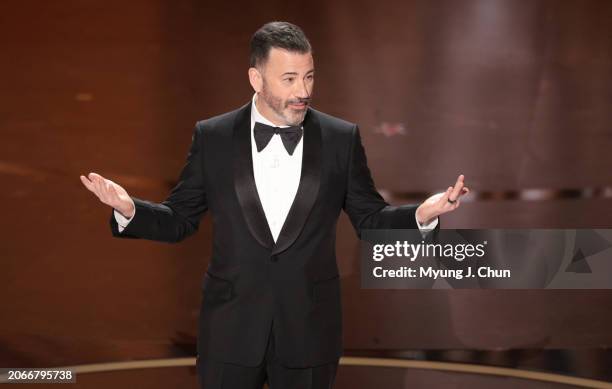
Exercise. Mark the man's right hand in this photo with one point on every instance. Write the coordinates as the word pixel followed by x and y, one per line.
pixel 110 193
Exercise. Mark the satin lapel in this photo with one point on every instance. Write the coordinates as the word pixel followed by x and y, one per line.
pixel 308 188
pixel 244 180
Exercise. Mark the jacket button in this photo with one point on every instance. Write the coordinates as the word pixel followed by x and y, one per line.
pixel 274 258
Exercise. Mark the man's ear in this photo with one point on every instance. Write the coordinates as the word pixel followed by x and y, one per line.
pixel 255 79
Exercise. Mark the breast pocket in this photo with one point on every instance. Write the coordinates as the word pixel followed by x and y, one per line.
pixel 216 289
pixel 326 290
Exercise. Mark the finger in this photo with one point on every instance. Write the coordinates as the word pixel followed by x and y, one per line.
pixel 444 198
pixel 459 184
pixel 444 202
pixel 464 191
pixel 110 190
pixel 98 183
pixel 102 190
pixel 88 184
pixel 106 190
pixel 99 180
pixel 457 188
pixel 95 176
pixel 451 207
pixel 114 195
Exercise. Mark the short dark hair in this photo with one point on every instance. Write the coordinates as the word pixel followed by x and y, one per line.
pixel 282 35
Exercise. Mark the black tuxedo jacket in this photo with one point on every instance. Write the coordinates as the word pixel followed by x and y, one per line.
pixel 253 282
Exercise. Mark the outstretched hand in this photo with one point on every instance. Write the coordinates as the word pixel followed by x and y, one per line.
pixel 110 193
pixel 441 203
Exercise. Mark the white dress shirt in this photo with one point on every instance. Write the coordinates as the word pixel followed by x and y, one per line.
pixel 277 174
pixel 277 177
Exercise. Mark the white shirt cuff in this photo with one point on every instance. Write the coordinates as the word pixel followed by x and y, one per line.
pixel 425 228
pixel 122 221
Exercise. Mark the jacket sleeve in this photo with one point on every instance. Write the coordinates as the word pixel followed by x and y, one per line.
pixel 178 216
pixel 364 205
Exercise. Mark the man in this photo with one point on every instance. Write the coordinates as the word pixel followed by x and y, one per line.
pixel 274 175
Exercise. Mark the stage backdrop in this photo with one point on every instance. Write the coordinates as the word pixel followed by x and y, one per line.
pixel 516 95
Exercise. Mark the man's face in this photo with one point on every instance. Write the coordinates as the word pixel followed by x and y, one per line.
pixel 284 86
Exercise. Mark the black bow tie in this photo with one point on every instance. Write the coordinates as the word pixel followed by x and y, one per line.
pixel 289 135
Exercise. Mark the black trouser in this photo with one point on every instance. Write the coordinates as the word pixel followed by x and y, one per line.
pixel 218 375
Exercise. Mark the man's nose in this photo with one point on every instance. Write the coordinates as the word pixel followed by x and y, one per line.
pixel 302 91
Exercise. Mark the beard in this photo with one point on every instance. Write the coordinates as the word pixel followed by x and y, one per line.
pixel 291 116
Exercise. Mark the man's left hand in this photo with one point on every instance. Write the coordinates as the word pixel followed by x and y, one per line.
pixel 441 203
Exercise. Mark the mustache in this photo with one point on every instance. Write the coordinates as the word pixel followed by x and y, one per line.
pixel 299 101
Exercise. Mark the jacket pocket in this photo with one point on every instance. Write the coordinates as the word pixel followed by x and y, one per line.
pixel 215 288
pixel 326 290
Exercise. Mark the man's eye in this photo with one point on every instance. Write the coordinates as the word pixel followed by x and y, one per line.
pixel 290 79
